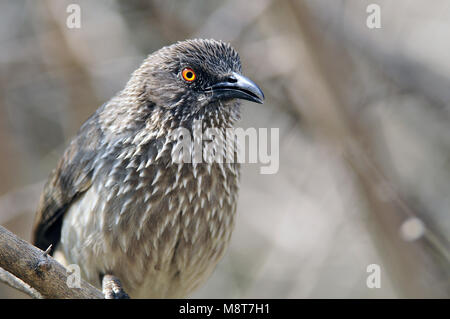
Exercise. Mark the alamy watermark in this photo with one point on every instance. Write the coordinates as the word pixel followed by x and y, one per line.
pixel 73 20
pixel 74 276
pixel 374 279
pixel 230 145
pixel 373 20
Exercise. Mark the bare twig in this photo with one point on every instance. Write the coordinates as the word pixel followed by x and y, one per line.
pixel 18 284
pixel 37 269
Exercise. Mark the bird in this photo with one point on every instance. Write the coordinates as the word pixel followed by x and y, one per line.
pixel 121 205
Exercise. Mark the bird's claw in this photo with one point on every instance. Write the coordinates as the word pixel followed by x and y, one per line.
pixel 115 294
pixel 112 288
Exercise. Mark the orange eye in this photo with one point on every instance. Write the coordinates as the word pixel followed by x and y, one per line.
pixel 188 74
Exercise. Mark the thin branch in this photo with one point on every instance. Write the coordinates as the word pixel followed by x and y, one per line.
pixel 18 284
pixel 37 269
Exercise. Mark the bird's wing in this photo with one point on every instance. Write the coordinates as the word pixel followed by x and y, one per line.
pixel 71 178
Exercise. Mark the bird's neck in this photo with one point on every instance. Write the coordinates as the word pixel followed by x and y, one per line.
pixel 141 120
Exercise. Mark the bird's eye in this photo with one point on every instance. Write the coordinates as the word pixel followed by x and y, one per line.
pixel 188 74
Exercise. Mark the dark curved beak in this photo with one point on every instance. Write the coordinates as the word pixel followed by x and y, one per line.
pixel 237 86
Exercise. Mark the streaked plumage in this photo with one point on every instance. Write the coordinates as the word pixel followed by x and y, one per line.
pixel 118 203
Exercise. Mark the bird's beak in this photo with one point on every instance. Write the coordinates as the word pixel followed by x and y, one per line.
pixel 237 86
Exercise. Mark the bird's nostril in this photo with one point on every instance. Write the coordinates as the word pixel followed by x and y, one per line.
pixel 232 79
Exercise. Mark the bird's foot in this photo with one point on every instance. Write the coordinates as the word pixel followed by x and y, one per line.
pixel 112 288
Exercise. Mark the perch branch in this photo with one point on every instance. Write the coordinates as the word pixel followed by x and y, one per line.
pixel 38 270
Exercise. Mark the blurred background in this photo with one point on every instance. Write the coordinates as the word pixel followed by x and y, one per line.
pixel 364 119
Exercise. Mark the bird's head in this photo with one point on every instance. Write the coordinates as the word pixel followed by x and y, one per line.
pixel 194 78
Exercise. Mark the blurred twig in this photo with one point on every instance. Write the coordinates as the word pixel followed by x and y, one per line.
pixel 230 19
pixel 408 70
pixel 18 284
pixel 330 119
pixel 81 92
